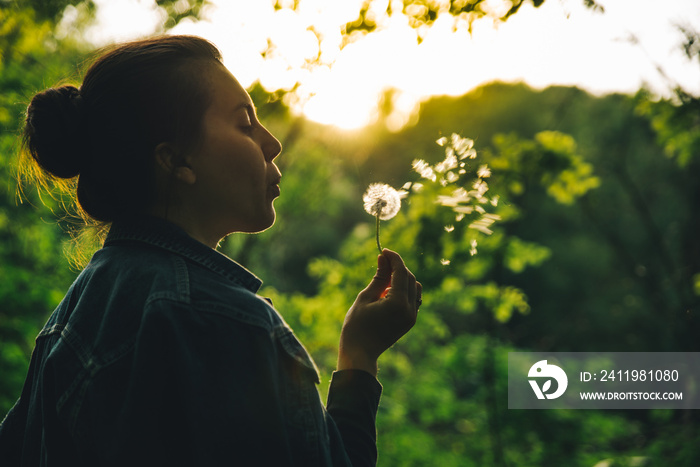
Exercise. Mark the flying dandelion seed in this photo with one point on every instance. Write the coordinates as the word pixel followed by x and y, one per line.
pixel 449 163
pixel 472 247
pixel 464 209
pixel 424 170
pixel 383 202
pixel 461 145
pixel 469 153
pixel 470 198
pixel 481 187
pixel 483 171
pixel 480 227
pixel 451 177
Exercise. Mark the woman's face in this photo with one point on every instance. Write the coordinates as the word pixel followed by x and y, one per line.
pixel 235 177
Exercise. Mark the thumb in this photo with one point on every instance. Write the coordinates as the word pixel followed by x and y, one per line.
pixel 380 281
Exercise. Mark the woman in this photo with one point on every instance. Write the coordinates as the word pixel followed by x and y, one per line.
pixel 161 353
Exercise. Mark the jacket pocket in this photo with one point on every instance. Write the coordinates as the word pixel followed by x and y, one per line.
pixel 295 349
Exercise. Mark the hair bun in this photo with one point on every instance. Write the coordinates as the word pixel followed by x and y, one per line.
pixel 54 131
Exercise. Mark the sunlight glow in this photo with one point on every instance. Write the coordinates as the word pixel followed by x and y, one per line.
pixel 561 42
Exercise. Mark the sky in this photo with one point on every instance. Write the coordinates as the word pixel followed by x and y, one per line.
pixel 559 43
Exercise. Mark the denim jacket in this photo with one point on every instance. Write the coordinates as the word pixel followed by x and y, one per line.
pixel 162 353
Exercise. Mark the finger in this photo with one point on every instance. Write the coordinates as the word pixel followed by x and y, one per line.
pixel 419 295
pixel 412 292
pixel 399 273
pixel 380 281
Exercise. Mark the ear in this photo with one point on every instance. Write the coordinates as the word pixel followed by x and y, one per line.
pixel 174 163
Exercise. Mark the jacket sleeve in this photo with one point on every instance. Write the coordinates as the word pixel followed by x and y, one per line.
pixel 353 400
pixel 201 390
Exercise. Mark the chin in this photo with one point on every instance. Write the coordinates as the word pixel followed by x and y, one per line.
pixel 260 225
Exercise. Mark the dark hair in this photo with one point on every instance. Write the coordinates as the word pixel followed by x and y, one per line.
pixel 133 97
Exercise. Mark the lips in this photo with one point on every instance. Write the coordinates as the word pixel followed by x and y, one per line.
pixel 274 187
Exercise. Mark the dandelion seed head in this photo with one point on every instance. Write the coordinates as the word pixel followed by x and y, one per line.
pixel 382 200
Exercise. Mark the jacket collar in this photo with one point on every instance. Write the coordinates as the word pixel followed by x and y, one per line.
pixel 165 235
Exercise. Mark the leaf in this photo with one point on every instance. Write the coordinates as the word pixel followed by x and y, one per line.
pixel 546 386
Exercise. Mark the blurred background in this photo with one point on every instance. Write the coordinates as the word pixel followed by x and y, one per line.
pixel 588 115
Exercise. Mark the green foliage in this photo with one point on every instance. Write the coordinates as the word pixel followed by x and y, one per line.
pixel 177 10
pixel 421 13
pixel 33 272
pixel 52 10
pixel 677 121
pixel 677 126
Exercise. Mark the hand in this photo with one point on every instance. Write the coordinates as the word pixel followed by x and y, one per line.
pixel 382 313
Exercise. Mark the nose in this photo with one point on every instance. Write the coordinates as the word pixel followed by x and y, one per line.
pixel 271 146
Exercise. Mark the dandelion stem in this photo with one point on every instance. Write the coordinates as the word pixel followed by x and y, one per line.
pixel 379 246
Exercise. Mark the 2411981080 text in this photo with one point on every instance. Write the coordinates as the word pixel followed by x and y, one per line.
pixel 630 375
